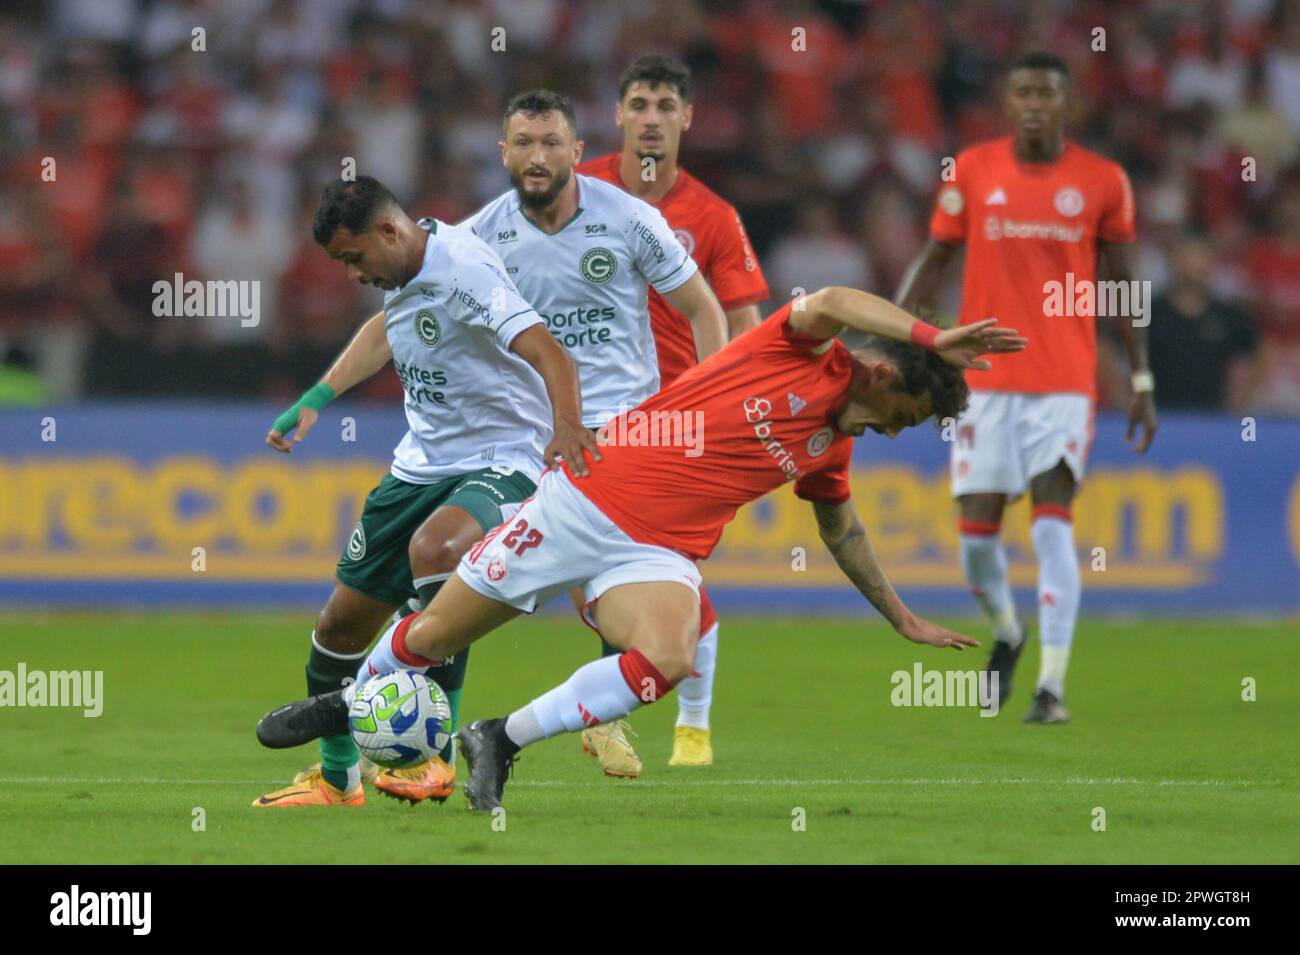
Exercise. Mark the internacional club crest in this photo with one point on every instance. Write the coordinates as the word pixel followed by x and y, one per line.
pixel 427 327
pixel 597 266
pixel 1068 201
pixel 820 441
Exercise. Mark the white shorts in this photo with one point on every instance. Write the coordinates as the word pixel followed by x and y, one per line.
pixel 1005 439
pixel 559 540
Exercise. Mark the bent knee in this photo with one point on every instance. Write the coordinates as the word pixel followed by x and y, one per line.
pixel 340 633
pixel 431 553
pixel 674 659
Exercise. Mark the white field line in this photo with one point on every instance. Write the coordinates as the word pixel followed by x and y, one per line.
pixel 683 783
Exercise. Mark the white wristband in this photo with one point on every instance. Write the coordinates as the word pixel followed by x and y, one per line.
pixel 1143 381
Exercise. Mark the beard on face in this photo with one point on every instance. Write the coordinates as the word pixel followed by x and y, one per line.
pixel 539 200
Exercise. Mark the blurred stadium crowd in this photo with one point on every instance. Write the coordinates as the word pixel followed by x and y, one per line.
pixel 209 163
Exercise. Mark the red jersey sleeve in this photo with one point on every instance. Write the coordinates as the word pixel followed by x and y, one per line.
pixel 948 223
pixel 791 336
pixel 829 484
pixel 733 272
pixel 1117 224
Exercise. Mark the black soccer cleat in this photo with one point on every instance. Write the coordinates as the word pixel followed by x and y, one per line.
pixel 490 755
pixel 1002 661
pixel 303 721
pixel 1047 709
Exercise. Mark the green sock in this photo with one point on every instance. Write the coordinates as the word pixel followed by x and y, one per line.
pixel 450 677
pixel 338 754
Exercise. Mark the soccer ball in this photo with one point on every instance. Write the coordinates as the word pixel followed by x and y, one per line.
pixel 400 719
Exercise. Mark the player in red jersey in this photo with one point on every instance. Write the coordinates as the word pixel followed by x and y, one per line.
pixel 1035 212
pixel 779 405
pixel 653 110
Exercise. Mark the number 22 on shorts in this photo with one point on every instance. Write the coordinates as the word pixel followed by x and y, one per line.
pixel 531 538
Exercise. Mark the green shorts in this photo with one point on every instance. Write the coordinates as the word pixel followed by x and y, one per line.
pixel 377 562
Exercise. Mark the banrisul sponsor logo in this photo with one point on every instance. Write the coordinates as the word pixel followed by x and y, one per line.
pixel 357 542
pixel 597 266
pixel 75 907
pixel 757 411
pixel 427 328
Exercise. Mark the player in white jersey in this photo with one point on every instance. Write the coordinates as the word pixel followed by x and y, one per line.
pixel 477 366
pixel 585 253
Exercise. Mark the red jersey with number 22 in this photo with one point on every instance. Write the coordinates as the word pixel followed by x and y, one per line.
pixel 762 410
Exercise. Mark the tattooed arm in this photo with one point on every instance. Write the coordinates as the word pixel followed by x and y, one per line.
pixel 844 536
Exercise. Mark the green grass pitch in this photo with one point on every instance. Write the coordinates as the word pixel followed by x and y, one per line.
pixel 1161 739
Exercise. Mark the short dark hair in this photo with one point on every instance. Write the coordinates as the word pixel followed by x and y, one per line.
pixel 352 204
pixel 921 373
pixel 1040 60
pixel 534 103
pixel 653 69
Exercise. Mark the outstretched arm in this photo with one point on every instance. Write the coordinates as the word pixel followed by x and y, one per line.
pixel 364 355
pixel 828 312
pixel 844 535
pixel 539 348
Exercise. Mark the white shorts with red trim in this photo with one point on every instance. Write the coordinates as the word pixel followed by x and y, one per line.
pixel 1005 439
pixel 560 540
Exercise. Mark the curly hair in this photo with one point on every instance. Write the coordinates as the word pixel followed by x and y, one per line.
pixel 921 373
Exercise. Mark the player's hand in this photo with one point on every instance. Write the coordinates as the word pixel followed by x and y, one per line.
pixel 306 418
pixel 1142 411
pixel 569 441
pixel 923 631
pixel 962 346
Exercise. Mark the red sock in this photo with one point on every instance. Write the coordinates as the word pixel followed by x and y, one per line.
pixel 641 676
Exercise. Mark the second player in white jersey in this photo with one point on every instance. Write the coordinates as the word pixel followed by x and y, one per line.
pixel 470 401
pixel 589 281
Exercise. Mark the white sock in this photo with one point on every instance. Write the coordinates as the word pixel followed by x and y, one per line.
pixel 597 692
pixel 383 658
pixel 695 693
pixel 985 563
pixel 1059 590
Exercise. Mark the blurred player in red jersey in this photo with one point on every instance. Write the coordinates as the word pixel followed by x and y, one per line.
pixel 1033 209
pixel 653 110
pixel 782 404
